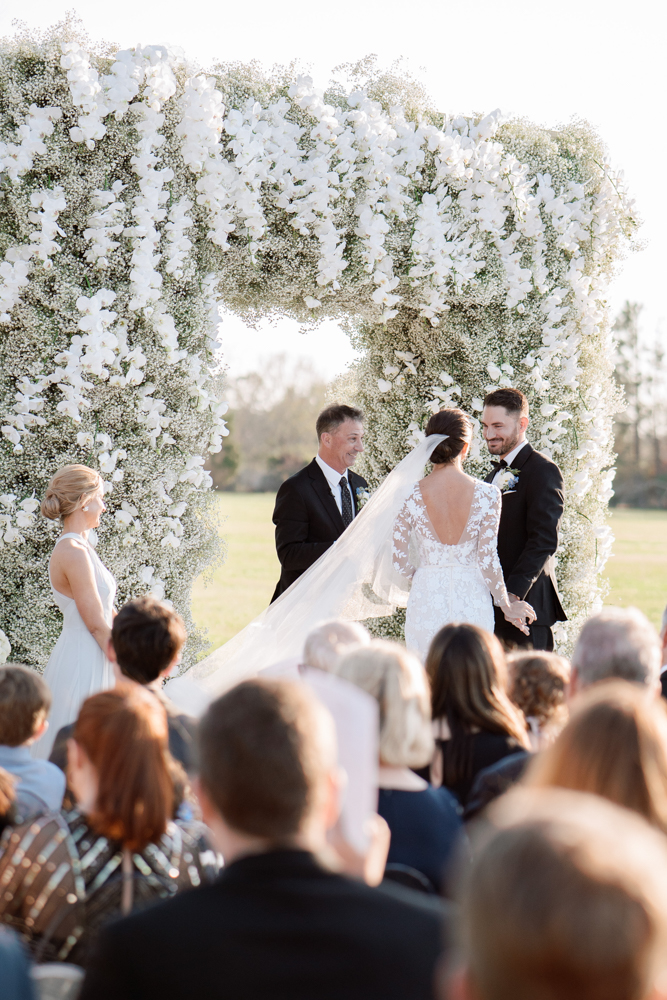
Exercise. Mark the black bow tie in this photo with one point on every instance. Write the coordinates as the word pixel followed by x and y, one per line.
pixel 502 464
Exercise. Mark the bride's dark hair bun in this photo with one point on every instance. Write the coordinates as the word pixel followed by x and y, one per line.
pixel 458 428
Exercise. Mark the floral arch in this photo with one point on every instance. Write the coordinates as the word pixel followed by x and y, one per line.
pixel 138 197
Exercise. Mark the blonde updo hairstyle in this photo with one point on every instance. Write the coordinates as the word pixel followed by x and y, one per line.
pixel 397 681
pixel 458 428
pixel 70 489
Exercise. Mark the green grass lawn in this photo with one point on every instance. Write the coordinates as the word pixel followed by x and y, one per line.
pixel 637 572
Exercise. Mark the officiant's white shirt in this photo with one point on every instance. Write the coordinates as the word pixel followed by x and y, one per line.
pixel 509 459
pixel 333 478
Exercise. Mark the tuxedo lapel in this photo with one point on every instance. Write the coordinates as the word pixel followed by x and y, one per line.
pixel 325 496
pixel 523 456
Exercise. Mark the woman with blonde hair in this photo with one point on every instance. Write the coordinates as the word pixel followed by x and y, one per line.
pixel 615 746
pixel 424 821
pixel 84 590
pixel 475 723
pixel 65 875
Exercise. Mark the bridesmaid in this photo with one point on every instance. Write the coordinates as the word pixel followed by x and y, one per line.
pixel 84 590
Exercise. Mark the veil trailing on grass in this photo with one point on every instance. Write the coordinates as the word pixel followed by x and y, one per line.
pixel 354 580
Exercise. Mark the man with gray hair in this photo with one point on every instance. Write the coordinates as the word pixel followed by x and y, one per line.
pixel 617 642
pixel 330 641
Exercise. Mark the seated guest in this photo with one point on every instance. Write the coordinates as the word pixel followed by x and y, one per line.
pixel 117 850
pixel 615 745
pixel 25 701
pixel 566 900
pixel 330 641
pixel 618 642
pixel 146 641
pixel 424 821
pixel 474 721
pixel 276 924
pixel 538 686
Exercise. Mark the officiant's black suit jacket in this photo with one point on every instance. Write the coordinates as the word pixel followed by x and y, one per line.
pixel 274 926
pixel 307 521
pixel 528 536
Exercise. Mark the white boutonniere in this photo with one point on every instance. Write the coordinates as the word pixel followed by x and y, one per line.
pixel 362 495
pixel 507 480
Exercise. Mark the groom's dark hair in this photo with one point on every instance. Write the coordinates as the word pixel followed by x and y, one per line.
pixel 513 400
pixel 335 415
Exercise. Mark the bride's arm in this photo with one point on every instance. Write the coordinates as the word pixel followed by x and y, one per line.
pixel 489 563
pixel 400 552
pixel 75 565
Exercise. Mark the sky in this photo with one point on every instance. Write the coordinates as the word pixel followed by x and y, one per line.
pixel 599 60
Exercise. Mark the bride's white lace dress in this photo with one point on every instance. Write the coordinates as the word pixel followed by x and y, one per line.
pixel 77 666
pixel 450 583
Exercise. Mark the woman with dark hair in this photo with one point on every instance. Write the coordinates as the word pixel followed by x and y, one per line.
pixel 65 875
pixel 474 721
pixel 446 543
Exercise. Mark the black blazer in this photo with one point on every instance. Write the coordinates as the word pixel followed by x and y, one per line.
pixel 274 926
pixel 528 535
pixel 307 521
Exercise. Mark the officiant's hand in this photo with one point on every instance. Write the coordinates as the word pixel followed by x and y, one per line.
pixel 520 614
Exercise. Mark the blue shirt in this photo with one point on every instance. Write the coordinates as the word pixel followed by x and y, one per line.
pixel 40 784
pixel 424 826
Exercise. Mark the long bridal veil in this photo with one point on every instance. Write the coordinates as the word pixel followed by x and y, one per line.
pixel 354 580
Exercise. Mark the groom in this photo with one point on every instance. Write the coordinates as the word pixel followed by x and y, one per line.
pixel 532 507
pixel 314 507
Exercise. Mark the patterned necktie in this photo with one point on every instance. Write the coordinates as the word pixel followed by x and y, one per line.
pixel 346 501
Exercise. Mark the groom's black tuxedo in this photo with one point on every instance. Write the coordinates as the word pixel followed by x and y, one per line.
pixel 307 521
pixel 527 542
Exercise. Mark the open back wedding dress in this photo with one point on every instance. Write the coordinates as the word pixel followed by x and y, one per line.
pixel 450 583
pixel 77 666
pixel 368 573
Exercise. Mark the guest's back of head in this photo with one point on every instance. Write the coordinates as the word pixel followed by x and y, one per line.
pixel 615 745
pixel 566 900
pixel 266 750
pixel 397 681
pixel 468 674
pixel 617 642
pixel 331 640
pixel 122 735
pixel 25 700
pixel 538 683
pixel 147 636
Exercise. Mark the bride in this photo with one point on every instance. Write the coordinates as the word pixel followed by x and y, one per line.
pixel 446 543
pixel 84 590
pixel 436 535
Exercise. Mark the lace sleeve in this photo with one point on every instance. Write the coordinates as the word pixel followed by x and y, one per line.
pixel 487 550
pixel 400 551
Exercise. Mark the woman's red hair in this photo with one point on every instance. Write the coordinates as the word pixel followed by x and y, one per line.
pixel 124 734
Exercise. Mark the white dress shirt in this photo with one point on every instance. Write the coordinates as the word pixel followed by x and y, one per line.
pixel 509 459
pixel 333 478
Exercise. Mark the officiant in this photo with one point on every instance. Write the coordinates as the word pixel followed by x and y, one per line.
pixel 315 506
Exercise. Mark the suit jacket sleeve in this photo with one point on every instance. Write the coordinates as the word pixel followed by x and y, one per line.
pixel 290 517
pixel 544 505
pixel 109 973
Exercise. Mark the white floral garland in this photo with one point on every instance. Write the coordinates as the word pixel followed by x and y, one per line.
pixel 138 198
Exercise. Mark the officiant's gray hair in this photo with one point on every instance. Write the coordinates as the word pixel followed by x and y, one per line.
pixel 335 415
pixel 618 642
pixel 330 641
pixel 398 682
